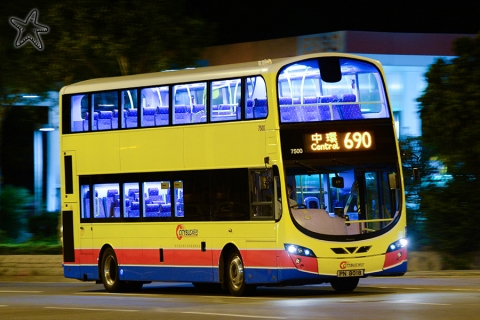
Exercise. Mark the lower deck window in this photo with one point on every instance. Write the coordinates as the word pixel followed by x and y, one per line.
pixel 205 195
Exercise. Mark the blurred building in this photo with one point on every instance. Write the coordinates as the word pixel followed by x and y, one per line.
pixel 45 139
pixel 406 58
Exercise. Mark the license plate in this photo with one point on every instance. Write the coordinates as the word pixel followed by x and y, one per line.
pixel 350 273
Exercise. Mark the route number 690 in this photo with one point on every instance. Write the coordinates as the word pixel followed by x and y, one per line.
pixel 358 140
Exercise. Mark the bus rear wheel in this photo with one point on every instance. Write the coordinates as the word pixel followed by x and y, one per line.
pixel 109 271
pixel 344 284
pixel 235 276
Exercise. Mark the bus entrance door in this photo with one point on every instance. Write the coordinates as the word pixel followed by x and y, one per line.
pixel 86 244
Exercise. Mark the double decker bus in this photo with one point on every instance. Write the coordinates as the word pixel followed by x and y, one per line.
pixel 185 176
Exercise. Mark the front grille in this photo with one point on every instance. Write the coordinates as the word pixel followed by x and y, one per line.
pixel 351 250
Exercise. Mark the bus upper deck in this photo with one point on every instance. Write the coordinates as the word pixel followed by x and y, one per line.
pixel 163 99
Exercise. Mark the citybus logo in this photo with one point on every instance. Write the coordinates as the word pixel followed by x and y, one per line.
pixel 181 232
pixel 346 264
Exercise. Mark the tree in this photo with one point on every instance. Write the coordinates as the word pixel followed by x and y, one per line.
pixel 20 70
pixel 450 116
pixel 90 39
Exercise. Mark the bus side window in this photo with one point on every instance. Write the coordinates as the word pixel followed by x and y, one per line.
pixel 189 102
pixel 178 198
pixel 262 193
pixel 79 113
pixel 256 105
pixel 105 105
pixel 155 106
pixel 127 115
pixel 85 204
pixel 224 97
pixel 157 200
pixel 131 204
pixel 106 200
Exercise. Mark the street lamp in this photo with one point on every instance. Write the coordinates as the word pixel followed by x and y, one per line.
pixel 38 139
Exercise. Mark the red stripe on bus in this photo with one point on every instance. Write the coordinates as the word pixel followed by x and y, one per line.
pixel 394 258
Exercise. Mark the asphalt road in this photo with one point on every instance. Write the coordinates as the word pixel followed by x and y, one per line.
pixel 421 296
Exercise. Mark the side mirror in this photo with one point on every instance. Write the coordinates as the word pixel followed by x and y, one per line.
pixel 337 182
pixel 392 181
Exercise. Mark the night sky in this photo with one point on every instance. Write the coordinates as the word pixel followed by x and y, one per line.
pixel 254 20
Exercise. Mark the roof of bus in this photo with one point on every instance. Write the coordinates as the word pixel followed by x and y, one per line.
pixel 191 75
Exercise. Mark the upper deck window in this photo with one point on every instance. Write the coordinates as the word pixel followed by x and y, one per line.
pixel 256 103
pixel 309 91
pixel 129 116
pixel 220 100
pixel 189 103
pixel 155 106
pixel 225 96
pixel 105 109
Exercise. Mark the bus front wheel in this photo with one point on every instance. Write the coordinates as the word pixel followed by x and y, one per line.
pixel 235 276
pixel 109 271
pixel 344 284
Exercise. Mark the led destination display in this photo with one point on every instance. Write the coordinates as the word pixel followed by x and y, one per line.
pixel 338 141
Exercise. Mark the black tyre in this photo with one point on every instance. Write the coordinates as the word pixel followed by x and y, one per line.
pixel 235 276
pixel 344 284
pixel 109 271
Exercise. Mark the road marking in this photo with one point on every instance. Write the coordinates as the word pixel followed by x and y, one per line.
pixel 232 315
pixel 422 303
pixel 92 309
pixel 18 291
pixel 432 304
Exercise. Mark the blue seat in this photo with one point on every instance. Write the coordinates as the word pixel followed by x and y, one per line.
pixel 134 210
pixel 289 114
pixel 282 101
pixel 249 109
pixel 131 118
pixel 260 108
pixel 312 202
pixel 310 109
pixel 165 210
pixel 198 113
pixel 325 114
pixel 110 203
pixel 162 116
pixel 115 119
pixel 105 120
pixel 182 114
pixel 152 210
pixel 133 194
pixel 154 194
pixel 86 204
pixel 148 117
pixel 86 122
pixel 350 111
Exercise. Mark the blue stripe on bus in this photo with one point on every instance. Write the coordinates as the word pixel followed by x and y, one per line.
pixel 184 274
pixel 199 274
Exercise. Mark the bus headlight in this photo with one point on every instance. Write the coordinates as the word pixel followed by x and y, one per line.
pixel 299 250
pixel 397 245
